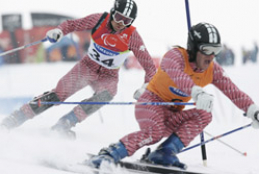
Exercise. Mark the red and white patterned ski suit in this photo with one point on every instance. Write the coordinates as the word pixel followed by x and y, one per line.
pixel 157 122
pixel 88 72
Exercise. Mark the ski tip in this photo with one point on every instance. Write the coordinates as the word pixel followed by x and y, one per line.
pixel 182 166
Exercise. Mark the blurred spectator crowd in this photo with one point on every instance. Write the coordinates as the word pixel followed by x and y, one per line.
pixel 227 57
pixel 250 55
pixel 73 46
pixel 14 35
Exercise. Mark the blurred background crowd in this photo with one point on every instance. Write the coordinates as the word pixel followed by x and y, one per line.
pixel 74 46
pixel 70 48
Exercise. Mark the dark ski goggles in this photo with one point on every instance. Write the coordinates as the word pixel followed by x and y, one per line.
pixel 119 17
pixel 209 49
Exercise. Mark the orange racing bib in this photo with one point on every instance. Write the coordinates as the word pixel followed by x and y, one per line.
pixel 163 86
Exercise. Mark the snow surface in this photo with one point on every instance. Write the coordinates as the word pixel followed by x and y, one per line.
pixel 25 149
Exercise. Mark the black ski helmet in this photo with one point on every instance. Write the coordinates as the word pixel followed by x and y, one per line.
pixel 202 33
pixel 126 7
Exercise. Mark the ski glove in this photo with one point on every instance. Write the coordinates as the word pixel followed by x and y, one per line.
pixel 140 91
pixel 203 100
pixel 54 35
pixel 253 113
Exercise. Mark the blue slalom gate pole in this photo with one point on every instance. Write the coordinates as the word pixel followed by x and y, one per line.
pixel 203 148
pixel 187 9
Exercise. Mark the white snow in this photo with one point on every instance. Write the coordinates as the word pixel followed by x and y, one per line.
pixel 24 149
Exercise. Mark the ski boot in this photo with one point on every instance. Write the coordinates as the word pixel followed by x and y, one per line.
pixel 113 154
pixel 16 119
pixel 165 154
pixel 64 125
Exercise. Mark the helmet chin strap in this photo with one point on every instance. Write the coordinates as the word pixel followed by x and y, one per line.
pixel 110 24
pixel 192 55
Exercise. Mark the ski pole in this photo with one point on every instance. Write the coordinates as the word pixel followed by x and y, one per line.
pixel 113 103
pixel 216 137
pixel 22 47
pixel 242 153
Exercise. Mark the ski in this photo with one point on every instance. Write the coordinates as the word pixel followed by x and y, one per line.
pixel 152 168
pixel 121 167
pixel 144 167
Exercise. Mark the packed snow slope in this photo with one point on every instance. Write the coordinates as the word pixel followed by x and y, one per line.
pixel 25 149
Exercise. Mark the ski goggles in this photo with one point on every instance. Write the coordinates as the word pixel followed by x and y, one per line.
pixel 209 49
pixel 119 17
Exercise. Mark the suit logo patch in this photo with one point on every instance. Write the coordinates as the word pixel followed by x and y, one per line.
pixel 178 92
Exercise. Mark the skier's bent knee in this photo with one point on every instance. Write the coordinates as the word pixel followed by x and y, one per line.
pixel 49 96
